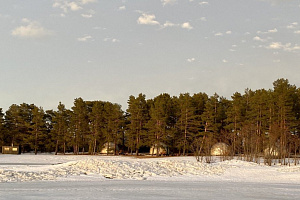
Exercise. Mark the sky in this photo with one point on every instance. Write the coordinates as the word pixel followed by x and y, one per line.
pixel 57 50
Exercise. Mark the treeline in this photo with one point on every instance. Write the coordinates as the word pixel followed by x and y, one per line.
pixel 254 124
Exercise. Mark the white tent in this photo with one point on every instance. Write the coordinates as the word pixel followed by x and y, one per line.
pixel 109 148
pixel 162 149
pixel 271 152
pixel 219 149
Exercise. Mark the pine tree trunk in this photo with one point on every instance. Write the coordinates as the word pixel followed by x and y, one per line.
pixel 95 146
pixel 35 146
pixel 56 147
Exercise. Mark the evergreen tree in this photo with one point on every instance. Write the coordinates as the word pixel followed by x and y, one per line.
pixel 60 131
pixel 159 123
pixel 187 122
pixel 114 124
pixel 37 129
pixel 235 119
pixel 210 115
pixel 285 95
pixel 138 117
pixel 79 125
pixel 17 122
pixel 2 129
pixel 97 125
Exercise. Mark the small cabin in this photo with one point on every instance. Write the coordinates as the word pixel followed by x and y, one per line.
pixel 11 150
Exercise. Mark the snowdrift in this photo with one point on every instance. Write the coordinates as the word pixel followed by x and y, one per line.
pixel 49 167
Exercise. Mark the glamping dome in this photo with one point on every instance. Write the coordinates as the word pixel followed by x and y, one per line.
pixel 219 149
pixel 271 152
pixel 109 148
pixel 162 149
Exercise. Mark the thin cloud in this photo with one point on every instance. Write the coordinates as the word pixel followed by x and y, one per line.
pixel 88 1
pixel 292 25
pixel 66 5
pixel 186 25
pixel 32 29
pixel 204 3
pixel 286 47
pixel 273 30
pixel 89 14
pixel 276 45
pixel 86 15
pixel 191 60
pixel 71 5
pixel 228 32
pixel 166 2
pixel 232 49
pixel 219 34
pixel 225 61
pixel 269 31
pixel 257 38
pixel 169 24
pixel 297 32
pixel 147 19
pixel 122 8
pixel 113 40
pixel 85 38
pixel 74 6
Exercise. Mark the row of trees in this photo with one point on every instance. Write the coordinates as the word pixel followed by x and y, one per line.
pixel 256 123
pixel 83 128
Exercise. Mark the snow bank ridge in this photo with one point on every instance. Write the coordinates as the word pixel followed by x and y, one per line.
pixel 115 169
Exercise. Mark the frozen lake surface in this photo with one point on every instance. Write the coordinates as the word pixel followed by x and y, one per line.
pixel 104 177
pixel 133 189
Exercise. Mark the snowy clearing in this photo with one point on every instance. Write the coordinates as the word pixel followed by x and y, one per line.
pixel 36 176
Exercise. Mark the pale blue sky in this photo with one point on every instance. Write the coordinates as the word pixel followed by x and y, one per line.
pixel 58 50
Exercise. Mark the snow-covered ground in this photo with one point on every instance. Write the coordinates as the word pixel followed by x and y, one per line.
pixel 105 177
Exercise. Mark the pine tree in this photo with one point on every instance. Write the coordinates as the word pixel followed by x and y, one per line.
pixel 79 125
pixel 60 130
pixel 235 119
pixel 285 95
pixel 2 129
pixel 187 122
pixel 159 123
pixel 114 122
pixel 138 118
pixel 37 129
pixel 17 122
pixel 97 125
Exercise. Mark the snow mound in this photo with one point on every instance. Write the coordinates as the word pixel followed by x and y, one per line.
pixel 143 170
pixel 101 168
pixel 114 169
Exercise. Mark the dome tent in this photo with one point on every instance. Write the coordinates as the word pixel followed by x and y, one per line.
pixel 109 148
pixel 271 152
pixel 162 149
pixel 219 149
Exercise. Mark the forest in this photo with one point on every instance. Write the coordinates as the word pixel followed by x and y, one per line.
pixel 255 124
